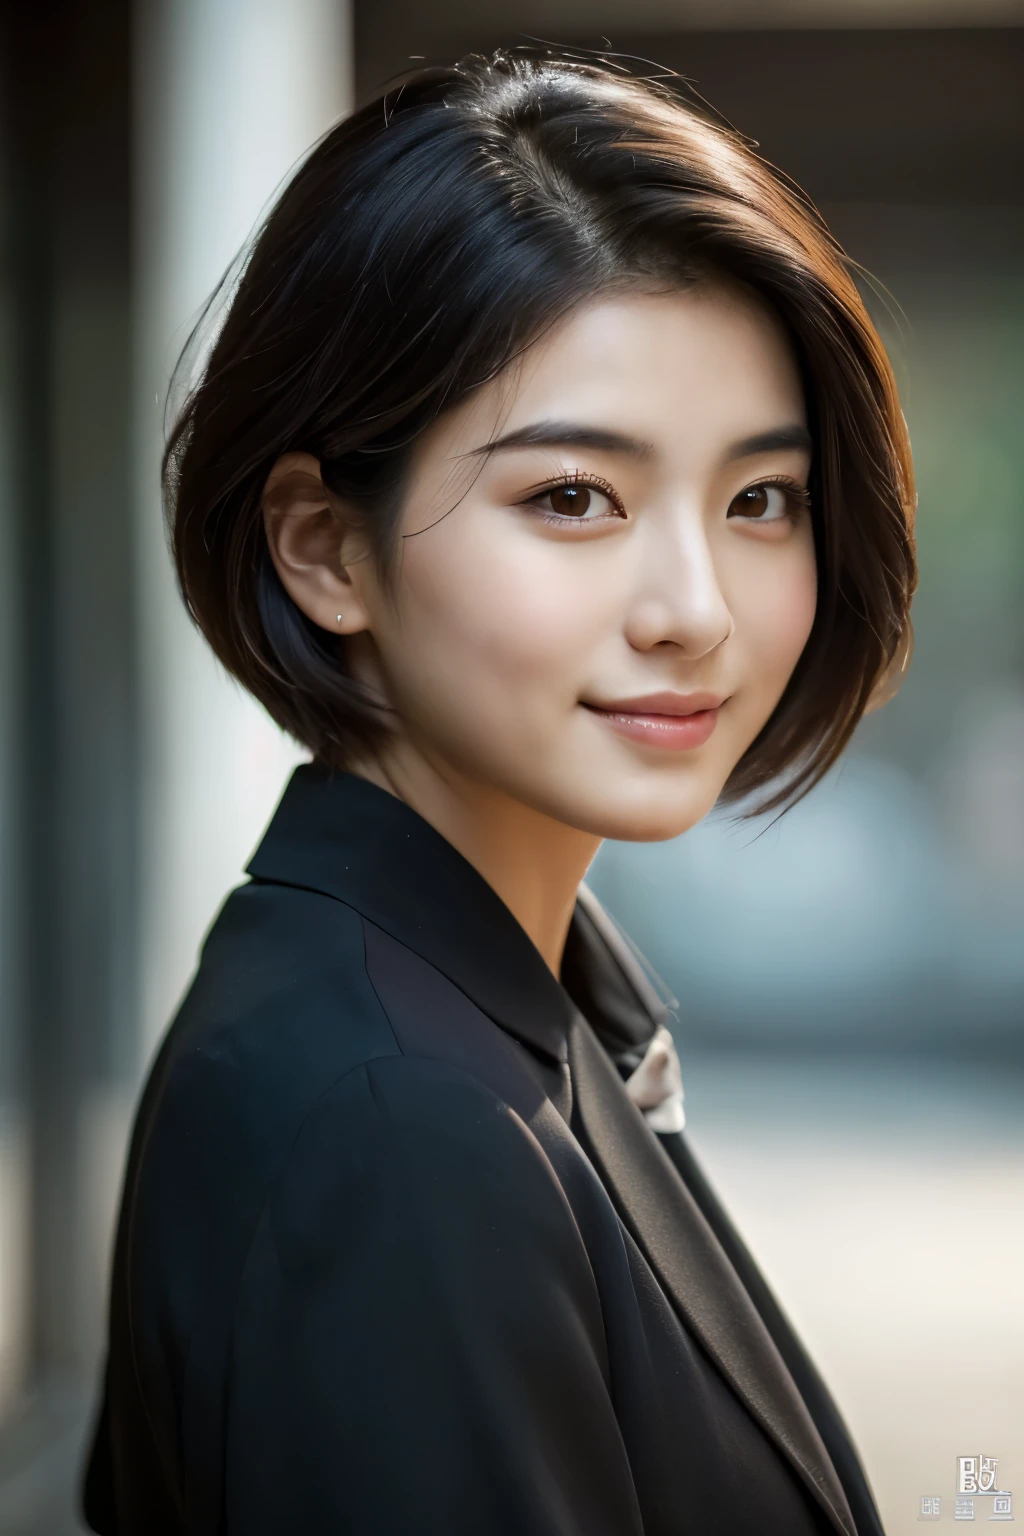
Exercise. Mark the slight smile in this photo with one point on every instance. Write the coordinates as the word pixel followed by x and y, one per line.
pixel 676 721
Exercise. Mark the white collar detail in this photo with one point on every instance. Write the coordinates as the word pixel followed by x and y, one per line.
pixel 656 1086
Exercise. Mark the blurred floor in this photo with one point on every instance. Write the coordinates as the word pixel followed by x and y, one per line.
pixel 882 1198
pixel 40 1455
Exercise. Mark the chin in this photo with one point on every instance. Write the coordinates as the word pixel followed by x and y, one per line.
pixel 645 814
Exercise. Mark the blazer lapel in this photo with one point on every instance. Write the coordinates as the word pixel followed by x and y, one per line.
pixel 670 1229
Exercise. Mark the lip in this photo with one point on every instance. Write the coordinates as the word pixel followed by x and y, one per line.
pixel 664 703
pixel 672 721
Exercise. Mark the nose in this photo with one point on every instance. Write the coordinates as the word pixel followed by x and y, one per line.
pixel 678 598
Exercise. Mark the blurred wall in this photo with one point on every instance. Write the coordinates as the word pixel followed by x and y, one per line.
pixel 231 94
pixel 138 146
pixel 68 725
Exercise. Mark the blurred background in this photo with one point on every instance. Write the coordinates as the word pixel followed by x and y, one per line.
pixel 850 978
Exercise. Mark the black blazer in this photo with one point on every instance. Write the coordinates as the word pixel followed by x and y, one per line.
pixel 398 1254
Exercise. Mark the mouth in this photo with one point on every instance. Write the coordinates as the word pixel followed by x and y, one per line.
pixel 671 721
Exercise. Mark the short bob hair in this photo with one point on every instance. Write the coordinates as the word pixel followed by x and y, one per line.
pixel 427 240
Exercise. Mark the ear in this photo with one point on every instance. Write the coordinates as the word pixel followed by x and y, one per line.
pixel 317 549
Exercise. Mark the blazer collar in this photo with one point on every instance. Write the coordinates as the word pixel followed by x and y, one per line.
pixel 339 834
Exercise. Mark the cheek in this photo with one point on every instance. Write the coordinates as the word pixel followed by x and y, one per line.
pixel 509 609
pixel 774 612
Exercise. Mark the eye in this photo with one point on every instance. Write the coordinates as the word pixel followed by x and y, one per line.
pixel 770 501
pixel 578 499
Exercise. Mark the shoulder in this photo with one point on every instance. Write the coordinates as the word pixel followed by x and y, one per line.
pixel 417 1113
pixel 280 1008
pixel 412 1156
pixel 280 999
pixel 281 1079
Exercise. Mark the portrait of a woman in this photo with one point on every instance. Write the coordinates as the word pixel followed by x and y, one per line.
pixel 547 481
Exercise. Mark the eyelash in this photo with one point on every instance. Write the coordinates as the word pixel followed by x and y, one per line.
pixel 798 493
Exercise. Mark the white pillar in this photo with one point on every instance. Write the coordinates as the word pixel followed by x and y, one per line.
pixel 232 93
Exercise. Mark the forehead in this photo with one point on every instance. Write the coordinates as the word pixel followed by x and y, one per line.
pixel 687 370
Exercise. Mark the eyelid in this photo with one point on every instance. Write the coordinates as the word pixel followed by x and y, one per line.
pixel 782 482
pixel 789 482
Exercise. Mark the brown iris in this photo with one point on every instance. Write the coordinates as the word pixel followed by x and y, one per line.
pixel 752 502
pixel 570 500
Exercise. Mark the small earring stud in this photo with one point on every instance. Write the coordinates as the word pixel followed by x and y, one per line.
pixel 339 618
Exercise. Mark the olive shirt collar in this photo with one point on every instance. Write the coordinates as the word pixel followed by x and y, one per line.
pixel 339 834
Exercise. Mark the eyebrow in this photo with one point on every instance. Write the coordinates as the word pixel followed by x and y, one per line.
pixel 793 436
pixel 577 434
pixel 568 434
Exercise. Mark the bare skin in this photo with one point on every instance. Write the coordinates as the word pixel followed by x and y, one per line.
pixel 541 584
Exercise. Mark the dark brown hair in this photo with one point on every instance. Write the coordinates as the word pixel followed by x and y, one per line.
pixel 423 244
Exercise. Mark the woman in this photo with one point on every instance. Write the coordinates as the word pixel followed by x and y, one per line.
pixel 547 480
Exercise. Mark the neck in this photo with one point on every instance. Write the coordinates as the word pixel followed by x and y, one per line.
pixel 533 862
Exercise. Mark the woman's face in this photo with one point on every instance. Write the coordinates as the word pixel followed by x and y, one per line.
pixel 598 613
